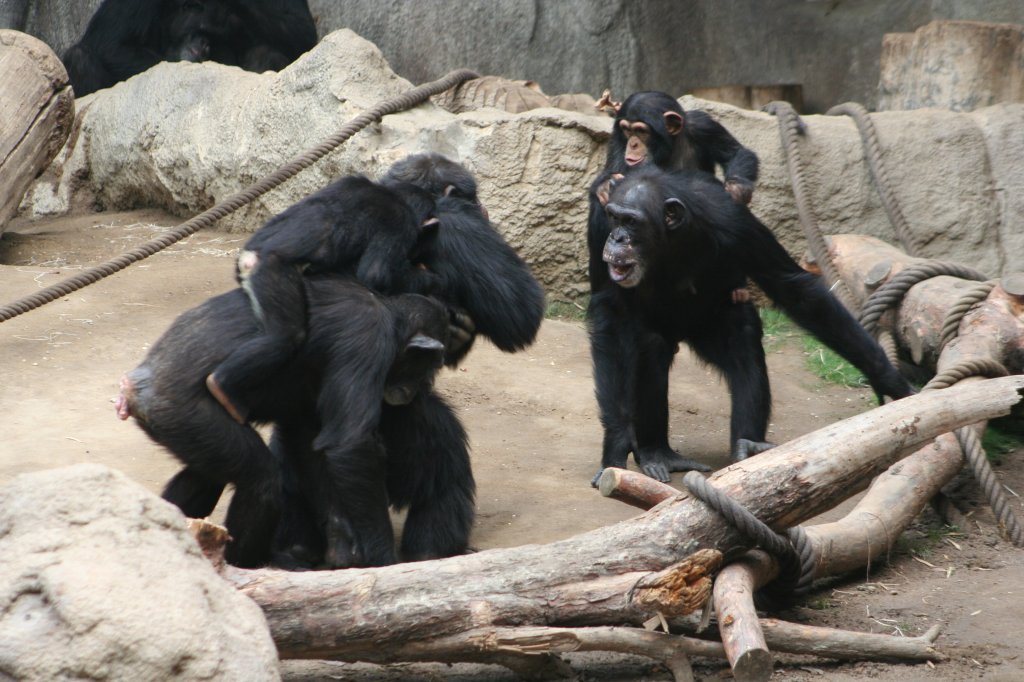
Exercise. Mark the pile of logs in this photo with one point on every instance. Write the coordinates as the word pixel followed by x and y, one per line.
pixel 521 607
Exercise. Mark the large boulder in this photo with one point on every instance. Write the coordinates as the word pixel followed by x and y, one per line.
pixel 183 136
pixel 101 580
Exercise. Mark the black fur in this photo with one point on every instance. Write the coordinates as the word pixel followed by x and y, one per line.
pixel 126 37
pixel 677 244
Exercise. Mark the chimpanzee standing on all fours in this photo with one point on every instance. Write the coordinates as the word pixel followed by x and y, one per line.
pixel 668 252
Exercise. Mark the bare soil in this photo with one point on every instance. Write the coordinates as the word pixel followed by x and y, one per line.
pixel 536 442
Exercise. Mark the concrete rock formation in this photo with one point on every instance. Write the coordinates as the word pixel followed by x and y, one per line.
pixel 957 65
pixel 100 579
pixel 183 136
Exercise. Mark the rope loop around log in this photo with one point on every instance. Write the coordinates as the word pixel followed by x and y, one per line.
pixel 892 292
pixel 794 551
pixel 402 102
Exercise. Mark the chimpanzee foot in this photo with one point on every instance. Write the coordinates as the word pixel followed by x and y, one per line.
pixel 744 448
pixel 660 463
pixel 217 392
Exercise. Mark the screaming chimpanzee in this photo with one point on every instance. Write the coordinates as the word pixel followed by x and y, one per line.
pixel 677 244
pixel 126 37
pixel 353 226
pixel 363 353
pixel 652 128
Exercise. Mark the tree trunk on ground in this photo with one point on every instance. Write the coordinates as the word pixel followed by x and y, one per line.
pixel 36 118
pixel 592 579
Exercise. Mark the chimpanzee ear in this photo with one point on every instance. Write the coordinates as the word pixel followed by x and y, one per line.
pixel 676 213
pixel 673 122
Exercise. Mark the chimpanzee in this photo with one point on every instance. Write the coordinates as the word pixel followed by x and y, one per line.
pixel 677 243
pixel 427 463
pixel 480 271
pixel 651 128
pixel 353 226
pixel 126 37
pixel 363 351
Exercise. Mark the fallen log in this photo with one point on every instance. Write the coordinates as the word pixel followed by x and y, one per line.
pixel 36 117
pixel 590 579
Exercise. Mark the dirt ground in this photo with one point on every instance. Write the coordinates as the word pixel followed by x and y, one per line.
pixel 535 438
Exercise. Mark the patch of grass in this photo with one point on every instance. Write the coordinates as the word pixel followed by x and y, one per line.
pixel 566 310
pixel 830 367
pixel 1001 438
pixel 777 328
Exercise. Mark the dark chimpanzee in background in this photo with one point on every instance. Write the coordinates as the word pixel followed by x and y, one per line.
pixel 126 37
pixel 677 243
pixel 333 392
pixel 353 226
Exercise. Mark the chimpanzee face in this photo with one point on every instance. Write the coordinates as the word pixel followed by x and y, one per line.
pixel 646 133
pixel 640 220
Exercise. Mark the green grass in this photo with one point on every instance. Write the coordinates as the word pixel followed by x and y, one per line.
pixel 1002 437
pixel 830 367
pixel 566 310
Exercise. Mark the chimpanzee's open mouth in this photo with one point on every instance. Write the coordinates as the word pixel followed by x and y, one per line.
pixel 635 160
pixel 624 273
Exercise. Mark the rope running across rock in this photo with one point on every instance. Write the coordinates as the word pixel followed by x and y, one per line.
pixel 402 102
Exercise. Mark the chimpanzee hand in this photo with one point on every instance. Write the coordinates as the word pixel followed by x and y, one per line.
pixel 658 463
pixel 893 385
pixel 605 188
pixel 740 190
pixel 461 334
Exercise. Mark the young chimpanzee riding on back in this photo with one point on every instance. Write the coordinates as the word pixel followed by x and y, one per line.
pixel 353 226
pixel 677 243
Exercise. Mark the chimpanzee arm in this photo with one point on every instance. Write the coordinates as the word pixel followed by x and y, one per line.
pixel 716 146
pixel 484 276
pixel 283 25
pixel 804 297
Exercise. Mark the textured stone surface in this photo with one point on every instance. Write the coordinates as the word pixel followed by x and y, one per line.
pixel 957 65
pixel 183 136
pixel 101 580
pixel 831 48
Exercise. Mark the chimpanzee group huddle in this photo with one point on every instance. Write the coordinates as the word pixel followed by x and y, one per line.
pixel 353 299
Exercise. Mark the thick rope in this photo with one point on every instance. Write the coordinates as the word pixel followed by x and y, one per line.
pixel 876 166
pixel 971 297
pixel 790 129
pixel 406 100
pixel 892 292
pixel 797 560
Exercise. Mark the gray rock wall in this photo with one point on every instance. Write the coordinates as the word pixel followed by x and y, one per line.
pixel 832 48
pixel 183 136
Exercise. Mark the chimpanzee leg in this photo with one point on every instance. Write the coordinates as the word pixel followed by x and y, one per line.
pixel 429 472
pixel 193 493
pixel 358 525
pixel 614 354
pixel 215 448
pixel 277 293
pixel 653 454
pixel 300 540
pixel 734 347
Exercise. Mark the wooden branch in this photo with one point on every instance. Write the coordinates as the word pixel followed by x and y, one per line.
pixel 39 111
pixel 589 579
pixel 792 638
pixel 634 488
pixel 738 625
